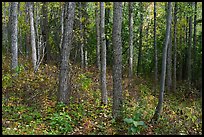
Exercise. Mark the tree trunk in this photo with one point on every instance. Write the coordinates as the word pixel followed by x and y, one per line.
pixel 32 31
pixel 37 34
pixel 85 15
pixel 98 36
pixel 168 26
pixel 194 43
pixel 175 46
pixel 45 32
pixel 20 43
pixel 155 51
pixel 14 35
pixel 62 27
pixel 81 35
pixel 64 82
pixel 117 60
pixel 4 24
pixel 107 31
pixel 189 48
pixel 103 53
pixel 169 63
pixel 140 42
pixel 185 72
pixel 130 39
pixel 27 45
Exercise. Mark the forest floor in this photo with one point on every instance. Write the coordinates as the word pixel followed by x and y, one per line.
pixel 29 105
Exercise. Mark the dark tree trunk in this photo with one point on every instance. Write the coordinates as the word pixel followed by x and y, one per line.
pixel 45 32
pixel 194 44
pixel 107 31
pixel 168 26
pixel 189 48
pixel 175 47
pixel 155 51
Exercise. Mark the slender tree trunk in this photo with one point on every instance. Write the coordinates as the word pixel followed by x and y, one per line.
pixel 4 36
pixel 85 15
pixel 194 43
pixel 103 53
pixel 9 27
pixel 181 59
pixel 81 35
pixel 130 39
pixel 155 51
pixel 107 31
pixel 168 26
pixel 140 42
pixel 32 30
pixel 98 36
pixel 189 48
pixel 45 31
pixel 175 46
pixel 27 34
pixel 20 44
pixel 37 34
pixel 169 63
pixel 14 35
pixel 64 82
pixel 117 60
pixel 185 72
pixel 62 26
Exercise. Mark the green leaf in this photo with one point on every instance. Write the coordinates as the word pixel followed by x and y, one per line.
pixel 129 120
pixel 133 129
pixel 138 123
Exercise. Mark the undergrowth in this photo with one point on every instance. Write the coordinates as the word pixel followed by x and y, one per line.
pixel 29 105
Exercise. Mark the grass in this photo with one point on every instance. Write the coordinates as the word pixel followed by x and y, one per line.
pixel 29 105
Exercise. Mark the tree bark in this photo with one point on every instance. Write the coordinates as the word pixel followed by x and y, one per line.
pixel 189 48
pixel 98 36
pixel 32 31
pixel 169 64
pixel 130 39
pixel 81 35
pixel 175 46
pixel 37 34
pixel 14 35
pixel 27 45
pixel 140 41
pixel 85 15
pixel 155 51
pixel 62 27
pixel 45 32
pixel 103 53
pixel 194 42
pixel 64 82
pixel 107 31
pixel 168 26
pixel 117 60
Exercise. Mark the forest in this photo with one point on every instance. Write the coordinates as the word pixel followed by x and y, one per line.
pixel 102 68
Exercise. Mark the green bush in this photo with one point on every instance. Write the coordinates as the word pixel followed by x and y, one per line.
pixel 135 123
pixel 61 122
